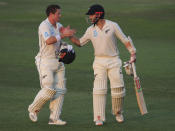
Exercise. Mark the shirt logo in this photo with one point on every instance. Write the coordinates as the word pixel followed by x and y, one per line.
pixel 52 33
pixel 95 33
pixel 46 34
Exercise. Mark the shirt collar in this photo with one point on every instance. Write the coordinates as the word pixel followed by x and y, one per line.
pixel 105 25
pixel 48 21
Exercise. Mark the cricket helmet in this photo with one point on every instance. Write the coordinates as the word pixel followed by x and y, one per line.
pixel 66 56
pixel 96 9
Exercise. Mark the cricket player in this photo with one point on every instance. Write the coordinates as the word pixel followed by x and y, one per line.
pixel 51 72
pixel 103 34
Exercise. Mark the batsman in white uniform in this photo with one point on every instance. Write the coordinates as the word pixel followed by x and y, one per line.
pixel 107 64
pixel 51 72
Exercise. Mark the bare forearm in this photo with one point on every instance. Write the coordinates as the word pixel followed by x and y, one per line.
pixel 75 40
pixel 53 39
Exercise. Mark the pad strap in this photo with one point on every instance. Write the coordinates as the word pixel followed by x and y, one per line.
pixel 117 94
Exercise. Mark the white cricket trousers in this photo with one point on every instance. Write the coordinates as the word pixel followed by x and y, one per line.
pixel 105 67
pixel 52 75
pixel 50 72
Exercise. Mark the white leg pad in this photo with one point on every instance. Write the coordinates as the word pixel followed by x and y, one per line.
pixel 99 99
pixel 41 98
pixel 117 99
pixel 56 108
pixel 56 102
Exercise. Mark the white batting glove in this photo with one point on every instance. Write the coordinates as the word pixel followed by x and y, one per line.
pixel 128 68
pixel 69 47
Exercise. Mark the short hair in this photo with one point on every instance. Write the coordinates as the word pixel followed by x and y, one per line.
pixel 52 9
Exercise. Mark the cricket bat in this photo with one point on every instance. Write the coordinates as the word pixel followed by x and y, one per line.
pixel 139 92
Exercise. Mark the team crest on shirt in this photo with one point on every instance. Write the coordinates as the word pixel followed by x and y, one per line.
pixel 52 33
pixel 95 33
pixel 46 34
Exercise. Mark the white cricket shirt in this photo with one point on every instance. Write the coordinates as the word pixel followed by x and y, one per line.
pixel 46 30
pixel 104 40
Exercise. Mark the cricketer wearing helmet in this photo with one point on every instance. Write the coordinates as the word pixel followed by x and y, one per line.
pixel 103 34
pixel 51 71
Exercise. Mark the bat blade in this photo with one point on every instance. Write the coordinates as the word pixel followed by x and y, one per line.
pixel 140 97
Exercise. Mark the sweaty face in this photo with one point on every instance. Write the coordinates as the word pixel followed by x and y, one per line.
pixel 57 15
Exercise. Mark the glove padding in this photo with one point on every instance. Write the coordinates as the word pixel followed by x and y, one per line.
pixel 128 68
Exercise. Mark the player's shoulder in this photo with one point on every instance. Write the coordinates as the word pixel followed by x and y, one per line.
pixel 91 27
pixel 44 24
pixel 111 22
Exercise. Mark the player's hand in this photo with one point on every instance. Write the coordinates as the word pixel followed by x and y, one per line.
pixel 132 58
pixel 67 32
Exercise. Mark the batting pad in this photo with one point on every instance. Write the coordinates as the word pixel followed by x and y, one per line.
pixel 99 99
pixel 117 99
pixel 41 98
pixel 56 107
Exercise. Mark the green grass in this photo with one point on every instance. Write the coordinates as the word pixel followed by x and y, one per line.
pixel 151 25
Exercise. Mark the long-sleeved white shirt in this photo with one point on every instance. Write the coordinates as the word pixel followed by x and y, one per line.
pixel 104 40
pixel 46 30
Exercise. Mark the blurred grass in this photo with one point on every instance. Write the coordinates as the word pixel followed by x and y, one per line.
pixel 150 23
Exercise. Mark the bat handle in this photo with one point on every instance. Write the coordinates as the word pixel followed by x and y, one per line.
pixel 134 69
